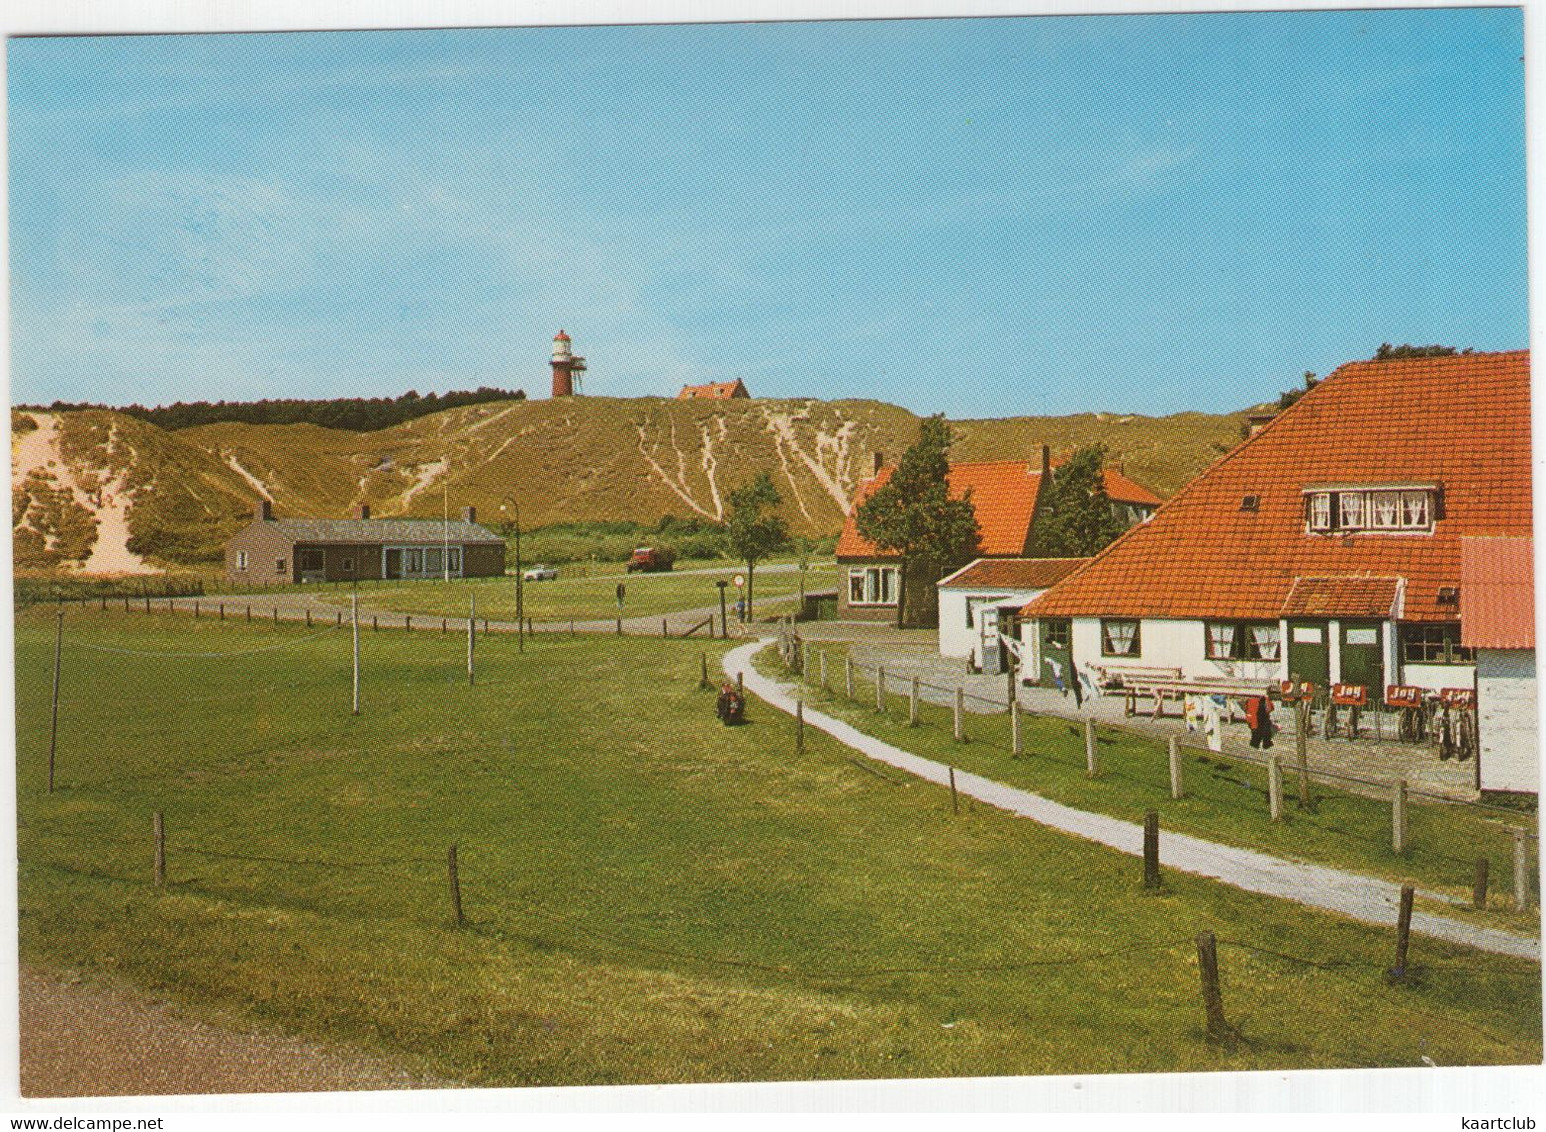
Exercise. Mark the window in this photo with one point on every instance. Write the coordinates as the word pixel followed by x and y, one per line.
pixel 1370 509
pixel 1250 503
pixel 413 561
pixel 347 565
pixel 1350 510
pixel 309 560
pixel 1434 644
pixel 1057 632
pixel 279 565
pixel 872 585
pixel 433 560
pixel 241 560
pixel 1119 638
pixel 1320 511
pixel 1242 640
pixel 1222 640
pixel 1449 595
pixel 455 560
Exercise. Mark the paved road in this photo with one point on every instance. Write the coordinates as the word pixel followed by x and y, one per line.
pixel 89 1040
pixel 1363 898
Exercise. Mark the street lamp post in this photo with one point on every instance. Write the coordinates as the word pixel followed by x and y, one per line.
pixel 520 579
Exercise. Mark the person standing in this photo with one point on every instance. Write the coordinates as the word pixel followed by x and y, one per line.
pixel 1258 715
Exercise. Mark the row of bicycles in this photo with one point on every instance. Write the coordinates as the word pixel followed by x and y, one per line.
pixel 1445 718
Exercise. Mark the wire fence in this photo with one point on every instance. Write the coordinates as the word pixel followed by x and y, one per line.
pixel 1147 773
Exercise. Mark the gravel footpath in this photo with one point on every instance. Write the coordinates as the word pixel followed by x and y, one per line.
pixel 89 1040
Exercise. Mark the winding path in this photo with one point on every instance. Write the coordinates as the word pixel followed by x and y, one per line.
pixel 1363 898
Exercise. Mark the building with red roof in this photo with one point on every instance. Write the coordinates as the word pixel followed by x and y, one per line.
pixel 981 600
pixel 1497 580
pixel 713 391
pixel 1325 547
pixel 1005 495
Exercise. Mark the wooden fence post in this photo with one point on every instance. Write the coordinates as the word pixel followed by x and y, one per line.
pixel 1014 695
pixel 960 718
pixel 848 676
pixel 1302 750
pixel 912 703
pixel 195 611
pixel 222 611
pixel 825 687
pixel 663 634
pixel 880 690
pixel 407 622
pixel 1016 742
pixel 456 887
pixel 1275 787
pixel 1521 870
pixel 1398 818
pixel 1091 759
pixel 1219 1029
pixel 955 804
pixel 53 726
pixel 619 626
pixel 472 637
pixel 799 727
pixel 158 828
pixel 1151 869
pixel 276 615
pixel 354 632
pixel 703 670
pixel 740 685
pixel 338 620
pixel 375 623
pixel 1479 886
pixel 1397 974
pixel 249 611
pixel 1177 786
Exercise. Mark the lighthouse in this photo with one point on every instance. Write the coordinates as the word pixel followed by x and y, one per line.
pixel 565 366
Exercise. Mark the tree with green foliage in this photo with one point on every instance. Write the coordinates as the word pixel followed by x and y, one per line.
pixel 751 533
pixel 913 517
pixel 1389 353
pixel 1075 519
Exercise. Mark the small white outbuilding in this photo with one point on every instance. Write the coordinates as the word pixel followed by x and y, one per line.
pixel 979 606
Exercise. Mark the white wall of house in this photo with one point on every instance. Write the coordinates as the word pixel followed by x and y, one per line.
pixel 1437 676
pixel 960 629
pixel 1507 720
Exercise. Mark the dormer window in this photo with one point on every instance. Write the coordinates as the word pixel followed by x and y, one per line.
pixel 1350 510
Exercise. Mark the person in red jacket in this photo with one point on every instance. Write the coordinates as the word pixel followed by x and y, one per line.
pixel 1258 715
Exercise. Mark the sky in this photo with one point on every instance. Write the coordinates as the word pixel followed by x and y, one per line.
pixel 982 217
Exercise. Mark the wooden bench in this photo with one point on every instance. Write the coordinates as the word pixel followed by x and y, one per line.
pixel 1111 678
pixel 1178 689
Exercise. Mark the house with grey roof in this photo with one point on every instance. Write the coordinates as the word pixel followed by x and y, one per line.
pixel 271 551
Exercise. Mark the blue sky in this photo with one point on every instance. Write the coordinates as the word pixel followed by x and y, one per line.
pixel 983 217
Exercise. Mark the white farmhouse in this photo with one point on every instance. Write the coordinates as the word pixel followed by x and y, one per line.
pixel 1325 547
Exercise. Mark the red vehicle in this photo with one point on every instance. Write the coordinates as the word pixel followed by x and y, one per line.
pixel 651 559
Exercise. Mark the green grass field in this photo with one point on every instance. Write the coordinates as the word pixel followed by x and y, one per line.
pixel 650 897
pixel 580 598
pixel 1226 799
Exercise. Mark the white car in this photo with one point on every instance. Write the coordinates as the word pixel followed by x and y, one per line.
pixel 541 574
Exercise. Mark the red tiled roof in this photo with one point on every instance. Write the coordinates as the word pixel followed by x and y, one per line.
pixel 1013 573
pixel 1342 597
pixel 1120 489
pixel 1461 422
pixel 1003 495
pixel 715 391
pixel 1497 593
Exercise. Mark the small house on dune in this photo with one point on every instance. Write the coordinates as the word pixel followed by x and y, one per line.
pixel 1327 547
pixel 271 551
pixel 714 391
pixel 1005 495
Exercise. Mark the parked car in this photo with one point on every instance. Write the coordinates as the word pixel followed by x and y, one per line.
pixel 650 559
pixel 541 574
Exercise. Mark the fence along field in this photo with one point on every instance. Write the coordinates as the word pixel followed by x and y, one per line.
pixel 645 895
pixel 1437 843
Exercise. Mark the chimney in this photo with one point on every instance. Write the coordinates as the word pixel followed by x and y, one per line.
pixel 469 514
pixel 362 510
pixel 266 510
pixel 880 462
pixel 1046 460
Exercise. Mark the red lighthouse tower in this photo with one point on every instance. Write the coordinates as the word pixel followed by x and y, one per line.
pixel 565 365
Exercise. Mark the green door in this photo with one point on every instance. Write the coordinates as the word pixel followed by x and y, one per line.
pixel 1363 660
pixel 1309 655
pixel 1056 638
